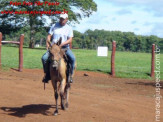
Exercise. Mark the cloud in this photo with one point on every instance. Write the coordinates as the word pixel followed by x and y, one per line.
pixel 136 2
pixel 148 24
pixel 136 29
pixel 158 29
pixel 137 16
pixel 123 12
pixel 133 22
pixel 153 6
pixel 114 19
pixel 95 19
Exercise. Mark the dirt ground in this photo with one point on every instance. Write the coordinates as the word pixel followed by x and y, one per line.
pixel 93 98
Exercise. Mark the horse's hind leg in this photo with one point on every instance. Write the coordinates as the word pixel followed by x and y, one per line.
pixel 67 96
pixel 56 98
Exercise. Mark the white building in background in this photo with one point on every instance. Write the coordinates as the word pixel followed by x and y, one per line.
pixel 37 45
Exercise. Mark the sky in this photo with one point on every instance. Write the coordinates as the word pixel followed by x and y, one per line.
pixel 143 17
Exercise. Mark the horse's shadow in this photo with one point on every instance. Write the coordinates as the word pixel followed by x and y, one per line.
pixel 28 109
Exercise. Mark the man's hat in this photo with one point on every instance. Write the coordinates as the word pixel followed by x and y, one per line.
pixel 64 15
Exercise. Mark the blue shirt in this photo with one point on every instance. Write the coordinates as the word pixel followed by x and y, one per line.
pixel 58 31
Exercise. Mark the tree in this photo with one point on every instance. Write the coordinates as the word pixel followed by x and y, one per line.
pixel 77 40
pixel 77 9
pixel 160 45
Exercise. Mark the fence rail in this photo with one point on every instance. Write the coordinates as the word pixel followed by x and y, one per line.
pixel 20 43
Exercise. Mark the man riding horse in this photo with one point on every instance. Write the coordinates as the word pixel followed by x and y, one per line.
pixel 57 31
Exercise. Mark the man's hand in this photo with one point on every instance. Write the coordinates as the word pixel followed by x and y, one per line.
pixel 61 45
pixel 48 41
pixel 47 46
pixel 66 42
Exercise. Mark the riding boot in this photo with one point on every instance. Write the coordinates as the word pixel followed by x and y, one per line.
pixel 46 78
pixel 71 79
pixel 47 73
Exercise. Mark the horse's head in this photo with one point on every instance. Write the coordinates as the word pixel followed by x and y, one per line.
pixel 56 54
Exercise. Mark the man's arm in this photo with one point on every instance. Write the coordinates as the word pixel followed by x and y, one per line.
pixel 66 42
pixel 48 38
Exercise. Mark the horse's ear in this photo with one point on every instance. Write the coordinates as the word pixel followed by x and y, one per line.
pixel 60 41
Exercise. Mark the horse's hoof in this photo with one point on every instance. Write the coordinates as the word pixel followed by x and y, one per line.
pixel 55 113
pixel 62 107
pixel 66 105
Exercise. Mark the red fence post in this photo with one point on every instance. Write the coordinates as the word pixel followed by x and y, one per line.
pixel 21 53
pixel 113 58
pixel 153 61
pixel 0 46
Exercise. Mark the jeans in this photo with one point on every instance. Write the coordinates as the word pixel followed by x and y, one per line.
pixel 45 60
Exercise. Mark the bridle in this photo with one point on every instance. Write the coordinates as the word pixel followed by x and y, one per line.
pixel 56 63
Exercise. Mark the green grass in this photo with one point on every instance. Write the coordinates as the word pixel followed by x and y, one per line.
pixel 128 64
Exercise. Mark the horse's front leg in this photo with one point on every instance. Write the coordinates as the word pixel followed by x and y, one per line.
pixel 56 97
pixel 62 93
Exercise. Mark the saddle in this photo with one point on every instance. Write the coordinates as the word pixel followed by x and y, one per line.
pixel 68 64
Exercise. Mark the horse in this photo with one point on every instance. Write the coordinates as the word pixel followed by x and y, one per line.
pixel 58 74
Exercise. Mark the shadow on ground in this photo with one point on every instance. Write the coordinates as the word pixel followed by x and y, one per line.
pixel 28 109
pixel 146 84
pixel 97 70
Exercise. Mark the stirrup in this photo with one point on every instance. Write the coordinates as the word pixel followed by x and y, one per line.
pixel 45 79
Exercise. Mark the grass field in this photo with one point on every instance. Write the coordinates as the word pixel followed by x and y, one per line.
pixel 128 64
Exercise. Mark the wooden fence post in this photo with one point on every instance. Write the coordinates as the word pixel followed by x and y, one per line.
pixel 153 61
pixel 113 58
pixel 21 53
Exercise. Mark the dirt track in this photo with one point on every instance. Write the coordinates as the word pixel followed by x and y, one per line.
pixel 93 98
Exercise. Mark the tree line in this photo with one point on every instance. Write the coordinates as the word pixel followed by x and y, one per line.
pixel 125 41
